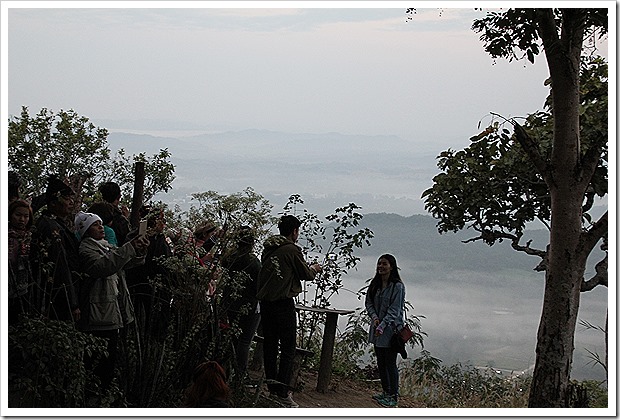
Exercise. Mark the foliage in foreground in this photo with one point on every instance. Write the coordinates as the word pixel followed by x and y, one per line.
pixel 432 384
pixel 156 377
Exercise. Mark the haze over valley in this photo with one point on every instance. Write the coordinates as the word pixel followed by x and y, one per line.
pixel 378 173
pixel 481 305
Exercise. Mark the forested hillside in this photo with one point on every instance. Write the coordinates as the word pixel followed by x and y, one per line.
pixel 416 238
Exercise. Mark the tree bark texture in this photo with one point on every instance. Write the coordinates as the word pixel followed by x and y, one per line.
pixel 566 265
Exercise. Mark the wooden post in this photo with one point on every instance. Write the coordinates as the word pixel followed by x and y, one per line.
pixel 298 360
pixel 138 194
pixel 327 352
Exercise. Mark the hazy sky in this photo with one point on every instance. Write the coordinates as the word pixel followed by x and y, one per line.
pixel 305 67
pixel 348 67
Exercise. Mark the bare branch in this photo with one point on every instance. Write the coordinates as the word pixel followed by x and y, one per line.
pixel 528 249
pixel 600 278
pixel 597 232
pixel 492 236
pixel 544 255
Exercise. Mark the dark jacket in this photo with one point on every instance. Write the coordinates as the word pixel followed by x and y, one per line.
pixel 283 268
pixel 154 263
pixel 20 275
pixel 121 226
pixel 243 268
pixel 54 253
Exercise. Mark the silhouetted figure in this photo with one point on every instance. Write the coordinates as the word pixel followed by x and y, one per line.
pixel 283 268
pixel 54 255
pixel 111 193
pixel 240 296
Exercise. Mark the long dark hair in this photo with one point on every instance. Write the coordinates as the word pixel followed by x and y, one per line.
pixel 208 383
pixel 375 283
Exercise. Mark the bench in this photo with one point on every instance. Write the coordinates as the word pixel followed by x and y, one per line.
pixel 300 356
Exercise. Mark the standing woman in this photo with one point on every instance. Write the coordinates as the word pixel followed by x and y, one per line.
pixel 104 297
pixel 20 274
pixel 385 301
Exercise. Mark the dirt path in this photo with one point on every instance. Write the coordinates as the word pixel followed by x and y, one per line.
pixel 341 393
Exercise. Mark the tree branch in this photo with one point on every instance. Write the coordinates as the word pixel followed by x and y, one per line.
pixel 544 256
pixel 528 249
pixel 492 236
pixel 531 149
pixel 600 278
pixel 590 238
pixel 589 163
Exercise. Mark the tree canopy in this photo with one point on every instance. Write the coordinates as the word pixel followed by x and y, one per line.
pixel 69 145
pixel 493 188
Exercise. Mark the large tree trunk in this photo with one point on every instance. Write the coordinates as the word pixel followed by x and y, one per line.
pixel 554 349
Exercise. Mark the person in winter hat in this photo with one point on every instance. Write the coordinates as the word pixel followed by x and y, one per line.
pixel 104 297
pixel 83 221
pixel 106 212
pixel 56 188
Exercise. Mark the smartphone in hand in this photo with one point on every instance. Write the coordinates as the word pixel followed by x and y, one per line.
pixel 142 228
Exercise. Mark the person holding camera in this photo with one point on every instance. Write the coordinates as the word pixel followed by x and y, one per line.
pixel 104 298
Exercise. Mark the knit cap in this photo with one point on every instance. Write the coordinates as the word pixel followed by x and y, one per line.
pixel 83 221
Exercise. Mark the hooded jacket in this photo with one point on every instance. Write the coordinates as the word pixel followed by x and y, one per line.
pixel 283 268
pixel 104 297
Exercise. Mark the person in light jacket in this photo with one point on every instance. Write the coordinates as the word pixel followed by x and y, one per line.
pixel 385 301
pixel 104 298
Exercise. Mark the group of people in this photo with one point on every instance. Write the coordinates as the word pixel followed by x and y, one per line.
pixel 73 272
pixel 81 276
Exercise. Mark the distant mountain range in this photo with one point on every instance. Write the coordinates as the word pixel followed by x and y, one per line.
pixel 416 238
pixel 379 173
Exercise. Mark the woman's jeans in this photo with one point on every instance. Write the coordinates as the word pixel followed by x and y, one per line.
pixel 388 371
pixel 279 321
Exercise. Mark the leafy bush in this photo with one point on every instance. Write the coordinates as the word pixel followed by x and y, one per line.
pixel 597 394
pixel 433 385
pixel 47 364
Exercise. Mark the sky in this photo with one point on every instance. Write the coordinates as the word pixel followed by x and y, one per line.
pixel 349 67
pixel 355 68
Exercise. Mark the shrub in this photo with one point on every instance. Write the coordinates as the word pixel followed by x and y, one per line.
pixel 47 364
pixel 434 385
